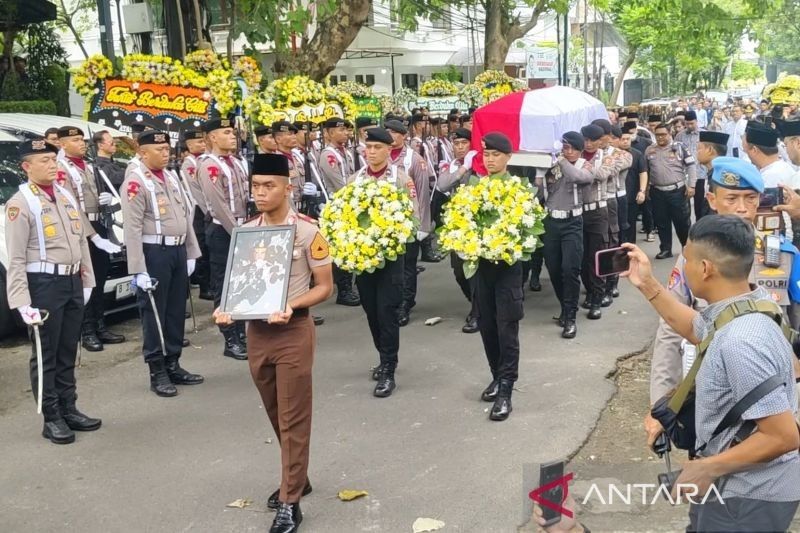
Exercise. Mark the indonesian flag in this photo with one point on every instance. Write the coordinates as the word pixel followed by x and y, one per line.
pixel 535 120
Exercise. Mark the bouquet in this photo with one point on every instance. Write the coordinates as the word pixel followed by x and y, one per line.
pixel 497 219
pixel 785 91
pixel 368 223
pixel 249 70
pixel 438 88
pixel 355 89
pixel 85 77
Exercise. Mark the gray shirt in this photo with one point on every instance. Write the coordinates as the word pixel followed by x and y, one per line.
pixel 690 140
pixel 670 165
pixel 744 353
pixel 564 188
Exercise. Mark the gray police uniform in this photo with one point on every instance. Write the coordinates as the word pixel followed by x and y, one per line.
pixel 690 141
pixel 672 168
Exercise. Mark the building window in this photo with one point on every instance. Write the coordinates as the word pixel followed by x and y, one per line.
pixel 333 80
pixel 342 78
pixel 370 80
pixel 442 20
pixel 360 79
pixel 410 81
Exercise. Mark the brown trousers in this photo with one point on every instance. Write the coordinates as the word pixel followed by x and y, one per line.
pixel 280 361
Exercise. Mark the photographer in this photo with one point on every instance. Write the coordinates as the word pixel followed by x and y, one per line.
pixel 761 474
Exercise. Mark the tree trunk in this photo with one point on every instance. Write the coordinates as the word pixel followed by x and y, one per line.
pixel 67 20
pixel 621 76
pixel 318 56
pixel 496 45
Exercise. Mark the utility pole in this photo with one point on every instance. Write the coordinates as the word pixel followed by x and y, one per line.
pixel 106 29
pixel 585 46
pixel 173 26
pixel 566 48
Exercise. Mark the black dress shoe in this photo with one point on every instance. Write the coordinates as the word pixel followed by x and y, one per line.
pixel 58 432
pixel 107 337
pixel 420 269
pixel 402 316
pixel 78 421
pixel 206 295
pixel 535 285
pixel 91 343
pixel 185 342
pixel 376 372
pixel 615 293
pixel 318 320
pixel 470 325
pixel 594 313
pixel 502 402
pixel 433 257
pixel 287 518
pixel 666 254
pixel 606 301
pixel 348 298
pixel 559 320
pixel 570 329
pixel 273 502
pixel 179 375
pixel 159 380
pixel 490 392
pixel 385 385
pixel 187 314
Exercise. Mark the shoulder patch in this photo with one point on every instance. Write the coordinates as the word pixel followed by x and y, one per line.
pixel 61 178
pixel 213 173
pixel 412 189
pixel 331 160
pixel 133 189
pixel 319 247
pixel 674 278
pixel 13 213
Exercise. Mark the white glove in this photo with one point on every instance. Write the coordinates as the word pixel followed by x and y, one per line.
pixel 105 245
pixel 87 293
pixel 190 264
pixel 422 235
pixel 105 198
pixel 468 159
pixel 30 315
pixel 309 189
pixel 143 281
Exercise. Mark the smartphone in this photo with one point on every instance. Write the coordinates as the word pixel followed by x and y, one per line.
pixel 611 261
pixel 771 197
pixel 549 472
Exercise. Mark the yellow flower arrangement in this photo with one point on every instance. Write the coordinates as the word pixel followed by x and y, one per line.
pixel 259 110
pixel 497 219
pixel 344 99
pixel 368 223
pixel 355 89
pixel 785 91
pixel 297 91
pixel 85 78
pixel 438 88
pixel 249 70
pixel 494 84
pixel 205 61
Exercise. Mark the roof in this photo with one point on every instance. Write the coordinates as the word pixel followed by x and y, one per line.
pixel 38 124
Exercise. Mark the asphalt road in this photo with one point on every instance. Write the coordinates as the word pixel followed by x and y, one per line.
pixel 172 464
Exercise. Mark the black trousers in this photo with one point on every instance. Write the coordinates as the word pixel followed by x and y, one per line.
pixel 629 235
pixel 671 208
pixel 595 238
pixel 381 295
pixel 62 297
pixel 467 286
pixel 701 207
pixel 533 267
pixel 741 514
pixel 498 289
pixel 218 242
pixel 202 271
pixel 410 274
pixel 95 307
pixel 167 264
pixel 563 255
pixel 614 234
pixel 622 217
pixel 648 222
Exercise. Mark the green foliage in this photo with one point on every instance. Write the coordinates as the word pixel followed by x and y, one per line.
pixel 45 51
pixel 451 73
pixel 13 88
pixel 777 36
pixel 746 71
pixel 275 21
pixel 33 107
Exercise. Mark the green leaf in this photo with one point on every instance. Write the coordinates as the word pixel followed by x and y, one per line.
pixel 470 267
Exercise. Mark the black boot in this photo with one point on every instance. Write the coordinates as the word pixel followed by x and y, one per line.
pixel 490 392
pixel 402 315
pixel 386 384
pixel 242 333
pixel 106 336
pixel 569 325
pixel 90 342
pixel 502 403
pixel 233 347
pixel 559 319
pixel 76 420
pixel 178 375
pixel 55 427
pixel 470 324
pixel 376 372
pixel 287 518
pixel 535 285
pixel 346 295
pixel 429 255
pixel 273 502
pixel 594 307
pixel 206 294
pixel 607 300
pixel 159 380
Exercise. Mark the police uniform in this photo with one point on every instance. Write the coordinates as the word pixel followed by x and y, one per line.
pixel 362 123
pixel 615 194
pixel 77 176
pixel 201 217
pixel 296 171
pixel 690 140
pixel 224 181
pixel 281 358
pixel 381 291
pixel 49 268
pixel 563 231
pixel 161 245
pixel 672 168
pixel 305 154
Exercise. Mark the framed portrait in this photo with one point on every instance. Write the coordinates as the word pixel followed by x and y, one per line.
pixel 257 275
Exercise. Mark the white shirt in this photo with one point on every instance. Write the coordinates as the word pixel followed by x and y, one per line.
pixel 780 171
pixel 736 131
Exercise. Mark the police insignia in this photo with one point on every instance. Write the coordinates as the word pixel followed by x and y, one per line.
pixel 61 177
pixel 319 247
pixel 730 179
pixel 213 174
pixel 674 278
pixel 133 189
pixel 38 145
pixel 13 213
pixel 49 231
pixel 331 161
pixel 412 189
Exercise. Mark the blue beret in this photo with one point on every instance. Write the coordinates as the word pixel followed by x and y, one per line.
pixel 734 173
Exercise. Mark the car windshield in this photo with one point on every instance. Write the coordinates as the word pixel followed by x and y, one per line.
pixel 11 176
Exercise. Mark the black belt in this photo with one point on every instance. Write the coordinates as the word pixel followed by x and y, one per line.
pixel 300 313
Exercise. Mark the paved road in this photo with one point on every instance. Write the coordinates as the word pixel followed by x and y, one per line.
pixel 428 451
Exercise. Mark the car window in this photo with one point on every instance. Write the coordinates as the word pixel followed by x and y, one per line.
pixel 11 176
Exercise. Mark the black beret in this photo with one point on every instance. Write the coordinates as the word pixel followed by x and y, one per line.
pixel 592 132
pixel 395 126
pixel 283 126
pixel 789 128
pixel 435 121
pixel 334 122
pixel 69 131
pixel 260 131
pixel 463 133
pixel 603 123
pixel 138 128
pixel 270 165
pixel 716 137
pixel 418 118
pixel 366 122
pixel 36 146
pixel 616 131
pixel 452 117
pixel 630 125
pixel 348 124
pixel 390 116
pixel 760 134
pixel 497 141
pixel 188 135
pixel 690 115
pixel 464 118
pixel 153 137
pixel 471 110
pixel 454 111
pixel 654 118
pixel 574 139
pixel 379 135
pixel 217 124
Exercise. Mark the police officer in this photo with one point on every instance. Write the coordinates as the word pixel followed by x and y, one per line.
pixel 162 252
pixel 635 181
pixel 617 205
pixel 282 347
pixel 689 138
pixel 265 140
pixel 313 189
pixel 382 290
pixel 420 172
pixel 563 235
pixel 452 175
pixel 498 289
pixel 672 181
pixel 196 146
pixel 362 124
pixel 49 268
pixel 285 135
pixel 78 176
pixel 223 178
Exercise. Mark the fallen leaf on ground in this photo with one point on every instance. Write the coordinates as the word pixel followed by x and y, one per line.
pixel 349 495
pixel 426 524
pixel 241 503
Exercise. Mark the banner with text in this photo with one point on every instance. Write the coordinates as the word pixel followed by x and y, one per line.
pixel 439 106
pixel 542 63
pixel 369 107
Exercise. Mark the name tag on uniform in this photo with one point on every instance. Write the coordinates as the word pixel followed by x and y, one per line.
pixel 774 279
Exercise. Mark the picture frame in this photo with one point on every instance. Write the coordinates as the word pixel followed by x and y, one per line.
pixel 257 271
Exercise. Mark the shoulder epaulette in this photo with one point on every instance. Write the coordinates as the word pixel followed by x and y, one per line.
pixel 307 218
